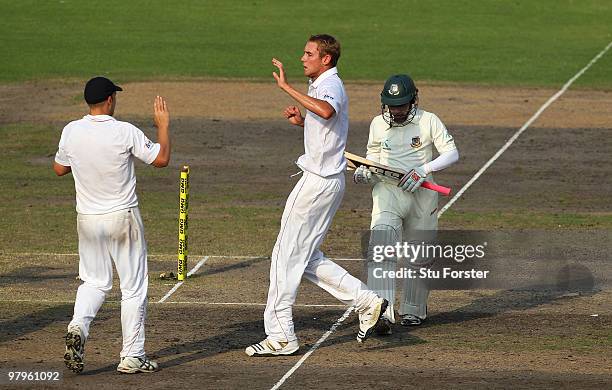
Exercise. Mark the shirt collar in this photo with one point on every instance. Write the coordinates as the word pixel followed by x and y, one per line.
pixel 329 72
pixel 99 118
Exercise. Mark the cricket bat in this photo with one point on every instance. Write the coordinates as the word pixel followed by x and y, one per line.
pixel 355 161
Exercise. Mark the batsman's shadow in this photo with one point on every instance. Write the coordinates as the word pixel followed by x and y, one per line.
pixel 505 301
pixel 401 336
pixel 482 307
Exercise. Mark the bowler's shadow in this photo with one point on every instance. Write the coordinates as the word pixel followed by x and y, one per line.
pixel 233 338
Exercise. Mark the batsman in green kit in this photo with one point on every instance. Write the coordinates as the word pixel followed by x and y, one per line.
pixel 403 136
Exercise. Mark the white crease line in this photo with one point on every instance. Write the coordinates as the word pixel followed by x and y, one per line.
pixel 179 284
pixel 247 304
pixel 42 301
pixel 520 131
pixel 313 348
pixel 169 256
pixel 172 290
pixel 165 303
pixel 450 203
pixel 239 257
pixel 173 255
pixel 197 267
pixel 39 254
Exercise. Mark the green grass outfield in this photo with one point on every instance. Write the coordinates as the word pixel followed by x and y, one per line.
pixel 541 42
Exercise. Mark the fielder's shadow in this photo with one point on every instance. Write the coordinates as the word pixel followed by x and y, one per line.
pixel 36 274
pixel 20 327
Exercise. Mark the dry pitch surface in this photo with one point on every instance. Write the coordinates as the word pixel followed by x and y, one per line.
pixel 483 338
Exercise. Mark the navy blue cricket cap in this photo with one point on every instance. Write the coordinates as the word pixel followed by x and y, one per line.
pixel 98 89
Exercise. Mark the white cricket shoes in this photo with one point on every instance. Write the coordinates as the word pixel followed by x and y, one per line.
pixel 369 317
pixel 269 347
pixel 134 364
pixel 75 349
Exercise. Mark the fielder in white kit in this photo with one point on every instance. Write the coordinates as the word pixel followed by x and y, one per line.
pixel 312 205
pixel 403 136
pixel 99 151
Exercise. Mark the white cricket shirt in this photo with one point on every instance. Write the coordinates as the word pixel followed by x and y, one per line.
pixel 325 140
pixel 409 146
pixel 100 151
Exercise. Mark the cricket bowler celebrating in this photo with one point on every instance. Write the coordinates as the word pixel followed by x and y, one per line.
pixel 99 151
pixel 403 136
pixel 312 204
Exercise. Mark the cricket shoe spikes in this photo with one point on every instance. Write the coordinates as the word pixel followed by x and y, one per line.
pixel 269 347
pixel 75 349
pixel 369 317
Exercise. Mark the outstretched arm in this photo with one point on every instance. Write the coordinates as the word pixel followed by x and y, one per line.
pixel 316 106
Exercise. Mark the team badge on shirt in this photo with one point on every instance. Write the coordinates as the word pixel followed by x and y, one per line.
pixel 149 144
pixel 416 142
pixel 385 145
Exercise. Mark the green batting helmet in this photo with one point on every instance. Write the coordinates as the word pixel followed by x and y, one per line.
pixel 399 89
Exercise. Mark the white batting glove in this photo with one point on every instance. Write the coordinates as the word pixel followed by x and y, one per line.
pixel 413 179
pixel 362 175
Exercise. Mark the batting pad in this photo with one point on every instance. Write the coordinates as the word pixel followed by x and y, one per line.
pixel 378 280
pixel 415 291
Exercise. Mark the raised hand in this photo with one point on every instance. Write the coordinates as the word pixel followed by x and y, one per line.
pixel 280 77
pixel 160 113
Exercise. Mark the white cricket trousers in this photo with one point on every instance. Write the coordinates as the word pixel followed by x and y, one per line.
pixel 308 214
pixel 103 239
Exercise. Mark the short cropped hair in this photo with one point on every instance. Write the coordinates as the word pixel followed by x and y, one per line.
pixel 327 45
pixel 100 104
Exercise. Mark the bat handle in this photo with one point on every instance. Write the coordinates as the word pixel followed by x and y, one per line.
pixel 445 191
